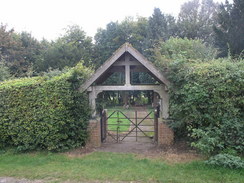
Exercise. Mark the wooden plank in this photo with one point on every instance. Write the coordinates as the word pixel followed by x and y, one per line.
pixel 128 87
pixel 103 68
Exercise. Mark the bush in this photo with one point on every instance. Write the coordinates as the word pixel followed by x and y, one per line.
pixel 207 98
pixel 41 113
pixel 226 160
pixel 226 137
pixel 207 102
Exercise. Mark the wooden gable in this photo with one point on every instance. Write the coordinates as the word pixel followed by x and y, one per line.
pixel 116 63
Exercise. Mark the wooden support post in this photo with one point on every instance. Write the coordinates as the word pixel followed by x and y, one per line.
pixel 92 102
pixel 104 125
pixel 127 70
pixel 155 126
pixel 155 99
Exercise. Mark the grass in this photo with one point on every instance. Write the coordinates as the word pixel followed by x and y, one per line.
pixel 124 124
pixel 112 167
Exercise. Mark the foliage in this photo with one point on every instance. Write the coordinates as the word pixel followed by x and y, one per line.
pixel 110 39
pixel 183 49
pixel 160 27
pixel 54 72
pixel 227 136
pixel 207 103
pixel 26 56
pixel 44 113
pixel 226 160
pixel 196 20
pixel 67 51
pixel 4 72
pixel 229 29
pixel 12 51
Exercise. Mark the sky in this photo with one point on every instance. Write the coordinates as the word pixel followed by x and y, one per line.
pixel 48 18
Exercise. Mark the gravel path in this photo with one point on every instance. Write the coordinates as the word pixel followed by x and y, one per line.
pixel 13 180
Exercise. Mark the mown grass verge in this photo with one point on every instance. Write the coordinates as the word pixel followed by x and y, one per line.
pixel 101 166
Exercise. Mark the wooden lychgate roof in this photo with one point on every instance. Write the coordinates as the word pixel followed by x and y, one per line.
pixel 125 48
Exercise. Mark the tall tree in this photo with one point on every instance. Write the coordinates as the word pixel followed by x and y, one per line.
pixel 229 30
pixel 31 46
pixel 196 20
pixel 160 27
pixel 116 34
pixel 67 50
pixel 12 52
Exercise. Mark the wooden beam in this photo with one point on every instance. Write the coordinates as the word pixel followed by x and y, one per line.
pixel 103 78
pixel 138 68
pixel 127 62
pixel 129 87
pixel 147 64
pixel 117 69
pixel 103 68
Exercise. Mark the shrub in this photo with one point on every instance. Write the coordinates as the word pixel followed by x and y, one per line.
pixel 41 113
pixel 225 137
pixel 207 102
pixel 226 160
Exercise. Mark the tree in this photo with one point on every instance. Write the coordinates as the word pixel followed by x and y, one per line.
pixel 31 46
pixel 12 52
pixel 196 20
pixel 67 50
pixel 116 34
pixel 4 72
pixel 160 27
pixel 229 30
pixel 179 49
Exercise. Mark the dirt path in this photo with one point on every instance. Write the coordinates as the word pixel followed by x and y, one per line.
pixel 127 147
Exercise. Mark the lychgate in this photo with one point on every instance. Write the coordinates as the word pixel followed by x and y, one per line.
pixel 128 60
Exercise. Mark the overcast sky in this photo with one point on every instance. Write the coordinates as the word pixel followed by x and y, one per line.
pixel 48 18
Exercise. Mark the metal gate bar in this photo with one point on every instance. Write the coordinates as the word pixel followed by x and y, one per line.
pixel 135 124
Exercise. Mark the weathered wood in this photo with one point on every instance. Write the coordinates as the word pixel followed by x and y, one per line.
pixel 139 68
pixel 127 59
pixel 103 68
pixel 129 87
pixel 127 62
pixel 147 64
pixel 127 70
pixel 103 77
pixel 122 50
pixel 117 69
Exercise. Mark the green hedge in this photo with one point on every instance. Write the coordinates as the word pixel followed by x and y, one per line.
pixel 44 113
pixel 207 103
